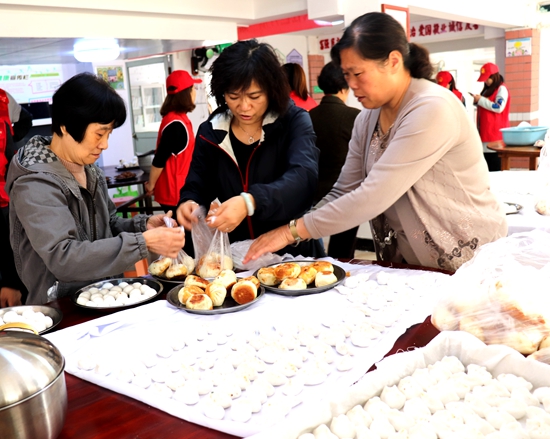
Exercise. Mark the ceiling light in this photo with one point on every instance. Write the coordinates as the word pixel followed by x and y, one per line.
pixel 96 50
pixel 328 23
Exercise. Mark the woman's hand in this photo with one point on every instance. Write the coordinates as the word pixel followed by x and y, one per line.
pixel 9 297
pixel 165 241
pixel 271 241
pixel 185 214
pixel 158 221
pixel 228 215
pixel 150 189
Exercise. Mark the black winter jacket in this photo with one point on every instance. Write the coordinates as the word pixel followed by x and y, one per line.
pixel 281 174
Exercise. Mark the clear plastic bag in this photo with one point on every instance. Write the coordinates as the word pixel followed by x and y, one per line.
pixel 217 258
pixel 502 295
pixel 212 249
pixel 170 268
pixel 201 233
pixel 240 248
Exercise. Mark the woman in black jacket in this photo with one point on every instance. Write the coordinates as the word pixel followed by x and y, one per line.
pixel 256 154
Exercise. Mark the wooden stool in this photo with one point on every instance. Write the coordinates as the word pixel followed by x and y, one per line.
pixel 507 152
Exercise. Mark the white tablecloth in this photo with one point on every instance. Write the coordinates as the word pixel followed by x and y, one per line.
pixel 520 187
pixel 145 329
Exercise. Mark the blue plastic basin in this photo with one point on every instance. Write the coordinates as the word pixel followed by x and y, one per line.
pixel 525 136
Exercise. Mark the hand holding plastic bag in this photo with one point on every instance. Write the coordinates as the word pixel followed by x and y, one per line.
pixel 502 295
pixel 172 268
pixel 212 249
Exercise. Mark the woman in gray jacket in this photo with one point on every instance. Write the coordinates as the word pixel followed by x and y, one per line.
pixel 414 167
pixel 65 232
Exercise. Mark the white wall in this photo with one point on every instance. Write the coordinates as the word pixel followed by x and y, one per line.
pixel 284 44
pixel 121 146
pixel 182 61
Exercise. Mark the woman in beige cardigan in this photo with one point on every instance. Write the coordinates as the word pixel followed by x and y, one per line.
pixel 414 167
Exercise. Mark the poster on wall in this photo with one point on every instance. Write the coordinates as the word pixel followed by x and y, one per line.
pixel 31 83
pixel 113 75
pixel 295 57
pixel 518 47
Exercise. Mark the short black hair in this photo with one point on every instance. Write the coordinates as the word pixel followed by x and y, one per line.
pixel 332 80
pixel 82 100
pixel 246 61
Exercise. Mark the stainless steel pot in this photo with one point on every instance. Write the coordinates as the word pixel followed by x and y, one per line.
pixel 33 396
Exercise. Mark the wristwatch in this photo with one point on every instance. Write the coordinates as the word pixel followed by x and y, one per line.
pixel 294 232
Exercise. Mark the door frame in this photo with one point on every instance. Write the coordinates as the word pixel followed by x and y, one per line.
pixel 167 61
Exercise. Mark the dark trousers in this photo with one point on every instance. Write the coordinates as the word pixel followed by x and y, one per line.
pixel 342 245
pixel 493 161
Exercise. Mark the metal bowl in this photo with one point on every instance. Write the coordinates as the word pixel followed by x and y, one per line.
pixel 157 286
pixel 33 401
pixel 55 314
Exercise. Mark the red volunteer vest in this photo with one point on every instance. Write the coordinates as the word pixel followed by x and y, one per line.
pixel 172 178
pixel 4 121
pixel 490 123
pixel 457 94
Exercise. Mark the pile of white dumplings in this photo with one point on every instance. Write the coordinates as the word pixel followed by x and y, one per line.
pixel 37 319
pixel 261 370
pixel 450 401
pixel 107 295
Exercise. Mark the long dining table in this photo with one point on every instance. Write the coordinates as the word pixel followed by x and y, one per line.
pixel 95 412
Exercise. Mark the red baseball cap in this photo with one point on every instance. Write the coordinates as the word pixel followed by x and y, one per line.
pixel 179 80
pixel 443 78
pixel 487 70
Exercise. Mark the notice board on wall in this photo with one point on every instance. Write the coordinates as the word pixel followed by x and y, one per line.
pixel 31 83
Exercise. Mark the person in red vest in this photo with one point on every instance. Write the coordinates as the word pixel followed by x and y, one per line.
pixel 493 108
pixel 15 122
pixel 175 141
pixel 445 79
pixel 298 86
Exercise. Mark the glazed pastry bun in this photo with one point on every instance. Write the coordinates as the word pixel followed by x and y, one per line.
pixel 187 291
pixel 323 278
pixel 189 262
pixel 288 269
pixel 308 274
pixel 209 270
pixel 227 278
pixel 217 292
pixel 196 281
pixel 323 266
pixel 199 301
pixel 266 275
pixel 176 271
pixel 158 267
pixel 244 291
pixel 252 279
pixel 211 265
pixel 293 284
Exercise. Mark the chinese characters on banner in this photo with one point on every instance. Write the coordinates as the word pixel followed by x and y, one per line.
pixel 444 28
pixel 326 43
pixel 425 31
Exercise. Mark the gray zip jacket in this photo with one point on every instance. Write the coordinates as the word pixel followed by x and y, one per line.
pixel 65 236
